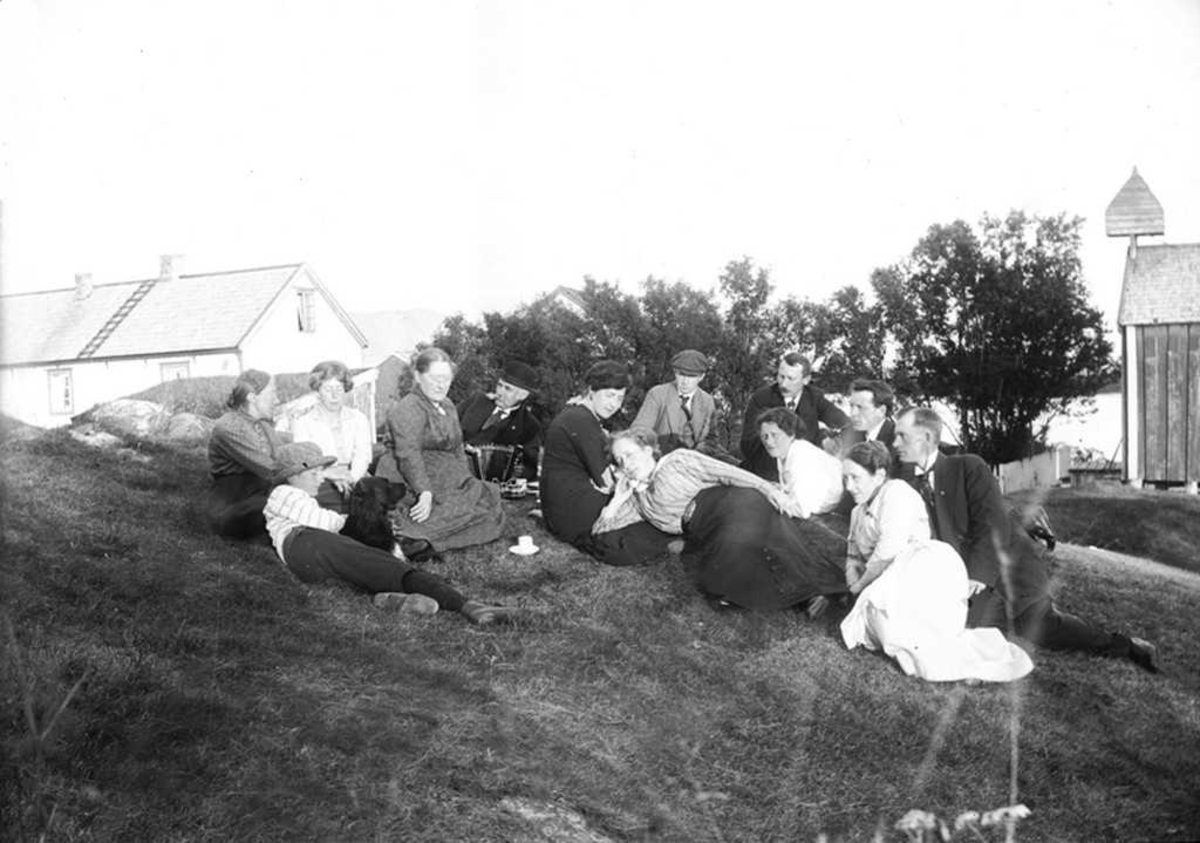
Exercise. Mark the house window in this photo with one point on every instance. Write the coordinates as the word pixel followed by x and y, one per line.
pixel 306 311
pixel 62 396
pixel 174 371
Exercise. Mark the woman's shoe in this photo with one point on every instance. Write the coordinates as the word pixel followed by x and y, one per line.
pixel 418 550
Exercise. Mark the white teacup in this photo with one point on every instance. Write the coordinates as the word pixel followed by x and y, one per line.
pixel 525 542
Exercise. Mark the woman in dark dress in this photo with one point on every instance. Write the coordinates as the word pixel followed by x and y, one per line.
pixel 738 536
pixel 453 508
pixel 242 458
pixel 577 479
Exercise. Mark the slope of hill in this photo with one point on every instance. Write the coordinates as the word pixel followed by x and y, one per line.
pixel 159 683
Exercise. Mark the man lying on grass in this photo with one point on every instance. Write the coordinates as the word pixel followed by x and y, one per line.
pixel 306 538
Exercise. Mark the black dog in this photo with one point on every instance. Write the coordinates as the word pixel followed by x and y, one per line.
pixel 367 520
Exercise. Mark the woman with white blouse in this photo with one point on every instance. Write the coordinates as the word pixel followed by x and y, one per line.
pixel 912 590
pixel 340 430
pixel 810 477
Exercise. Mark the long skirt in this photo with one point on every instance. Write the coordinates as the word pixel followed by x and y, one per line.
pixel 744 551
pixel 916 612
pixel 234 506
pixel 466 511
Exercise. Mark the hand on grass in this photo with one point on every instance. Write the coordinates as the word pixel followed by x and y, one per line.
pixel 421 509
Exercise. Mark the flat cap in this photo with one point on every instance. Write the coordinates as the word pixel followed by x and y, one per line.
pixel 690 362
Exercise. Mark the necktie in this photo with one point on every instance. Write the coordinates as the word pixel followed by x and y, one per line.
pixel 684 405
pixel 921 484
pixel 494 419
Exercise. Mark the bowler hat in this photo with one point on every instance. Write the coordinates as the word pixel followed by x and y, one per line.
pixel 690 362
pixel 519 375
pixel 295 457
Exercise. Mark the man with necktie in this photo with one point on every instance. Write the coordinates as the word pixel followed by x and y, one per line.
pixel 503 417
pixel 792 389
pixel 1010 588
pixel 680 413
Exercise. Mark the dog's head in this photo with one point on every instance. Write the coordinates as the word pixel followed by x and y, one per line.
pixel 376 494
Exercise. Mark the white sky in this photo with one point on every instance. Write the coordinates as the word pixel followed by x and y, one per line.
pixel 467 156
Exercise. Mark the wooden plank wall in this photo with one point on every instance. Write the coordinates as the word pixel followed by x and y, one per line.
pixel 1193 403
pixel 1170 441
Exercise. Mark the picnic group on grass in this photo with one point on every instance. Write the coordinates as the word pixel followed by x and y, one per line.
pixel 862 511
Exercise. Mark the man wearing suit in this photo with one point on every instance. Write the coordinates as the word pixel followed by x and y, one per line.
pixel 1005 567
pixel 504 417
pixel 792 389
pixel 871 405
pixel 680 413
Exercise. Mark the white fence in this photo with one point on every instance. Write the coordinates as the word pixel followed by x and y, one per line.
pixel 1048 468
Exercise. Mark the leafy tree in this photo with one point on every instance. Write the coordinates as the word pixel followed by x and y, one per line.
pixel 996 323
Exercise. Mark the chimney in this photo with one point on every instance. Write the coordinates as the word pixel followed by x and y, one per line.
pixel 83 286
pixel 171 264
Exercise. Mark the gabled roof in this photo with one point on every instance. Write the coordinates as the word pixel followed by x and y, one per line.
pixel 1134 210
pixel 189 313
pixel 1162 285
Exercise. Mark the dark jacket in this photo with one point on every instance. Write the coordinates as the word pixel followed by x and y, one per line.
pixel 520 427
pixel 972 517
pixel 813 408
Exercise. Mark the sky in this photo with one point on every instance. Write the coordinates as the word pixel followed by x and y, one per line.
pixel 467 156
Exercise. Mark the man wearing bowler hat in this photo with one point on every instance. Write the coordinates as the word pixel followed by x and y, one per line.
pixel 503 417
pixel 680 413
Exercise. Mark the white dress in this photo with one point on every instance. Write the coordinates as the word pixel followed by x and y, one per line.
pixel 916 611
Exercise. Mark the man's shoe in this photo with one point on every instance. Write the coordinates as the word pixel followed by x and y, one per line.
pixel 485 615
pixel 408 604
pixel 1143 654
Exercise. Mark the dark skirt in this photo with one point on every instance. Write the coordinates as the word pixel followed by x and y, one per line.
pixel 235 505
pixel 744 551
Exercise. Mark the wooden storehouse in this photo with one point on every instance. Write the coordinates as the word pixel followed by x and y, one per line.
pixel 1159 321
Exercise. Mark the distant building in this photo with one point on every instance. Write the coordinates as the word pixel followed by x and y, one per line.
pixel 1159 320
pixel 64 351
pixel 571 299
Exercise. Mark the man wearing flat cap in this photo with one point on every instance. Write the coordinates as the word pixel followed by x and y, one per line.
pixel 503 417
pixel 680 413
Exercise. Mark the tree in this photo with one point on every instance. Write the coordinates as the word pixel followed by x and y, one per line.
pixel 998 325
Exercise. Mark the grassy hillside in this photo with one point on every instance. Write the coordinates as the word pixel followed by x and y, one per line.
pixel 210 696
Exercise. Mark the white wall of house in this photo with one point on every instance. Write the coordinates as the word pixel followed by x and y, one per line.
pixel 282 341
pixel 48 396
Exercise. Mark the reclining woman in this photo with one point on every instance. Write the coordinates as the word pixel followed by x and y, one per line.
pixel 738 536
pixel 337 429
pixel 305 536
pixel 453 508
pixel 242 458
pixel 577 477
pixel 912 590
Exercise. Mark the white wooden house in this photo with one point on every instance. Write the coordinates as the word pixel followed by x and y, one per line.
pixel 64 351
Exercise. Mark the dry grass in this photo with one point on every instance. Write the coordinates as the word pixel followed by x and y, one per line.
pixel 219 699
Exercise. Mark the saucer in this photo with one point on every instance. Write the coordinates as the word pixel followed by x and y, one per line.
pixel 523 551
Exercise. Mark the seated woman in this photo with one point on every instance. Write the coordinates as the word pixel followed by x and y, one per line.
pixel 811 478
pixel 242 458
pixel 504 418
pixel 912 590
pixel 305 537
pixel 577 478
pixel 338 429
pixel 744 547
pixel 453 508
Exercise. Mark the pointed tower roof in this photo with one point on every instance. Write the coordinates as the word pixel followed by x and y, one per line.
pixel 1134 210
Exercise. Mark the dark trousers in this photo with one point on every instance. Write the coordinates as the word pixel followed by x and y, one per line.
pixel 637 544
pixel 1042 623
pixel 316 556
pixel 235 505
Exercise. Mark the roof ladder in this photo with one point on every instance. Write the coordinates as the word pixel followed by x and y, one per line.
pixel 118 317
